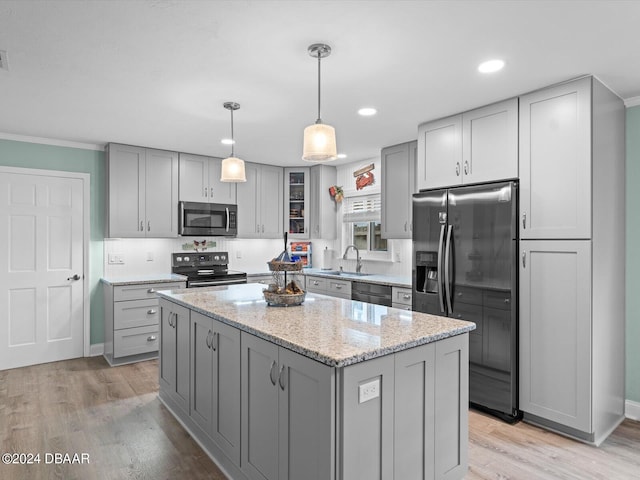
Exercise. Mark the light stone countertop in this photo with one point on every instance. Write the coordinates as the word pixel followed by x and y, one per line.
pixel 143 279
pixel 330 330
pixel 382 279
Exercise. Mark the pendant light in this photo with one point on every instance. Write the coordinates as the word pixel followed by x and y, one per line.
pixel 232 167
pixel 319 139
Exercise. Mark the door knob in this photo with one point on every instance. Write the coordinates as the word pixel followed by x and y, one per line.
pixel 75 277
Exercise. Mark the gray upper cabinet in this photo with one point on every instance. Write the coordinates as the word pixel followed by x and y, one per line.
pixel 398 184
pixel 200 180
pixel 297 202
pixel 260 202
pixel 288 411
pixel 323 207
pixel 439 161
pixel 555 162
pixel 142 192
pixel 477 146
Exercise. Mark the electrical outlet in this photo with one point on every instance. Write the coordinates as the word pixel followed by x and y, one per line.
pixel 149 256
pixel 238 254
pixel 369 391
pixel 398 257
pixel 116 259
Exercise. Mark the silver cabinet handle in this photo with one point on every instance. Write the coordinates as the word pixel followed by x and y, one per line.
pixel 315 282
pixel 405 226
pixel 170 319
pixel 205 191
pixel 142 225
pixel 151 311
pixel 263 228
pixel 152 338
pixel 273 373
pixel 507 301
pixel 148 225
pixel 406 296
pixel 524 259
pixel 214 341
pixel 282 377
pixel 151 290
pixel 257 228
pixel 524 221
pixel 209 340
pixel 466 168
pixel 457 169
pixel 338 287
pixel 211 192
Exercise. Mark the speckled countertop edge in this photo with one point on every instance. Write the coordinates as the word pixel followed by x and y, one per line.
pixel 144 279
pixel 455 327
pixel 381 279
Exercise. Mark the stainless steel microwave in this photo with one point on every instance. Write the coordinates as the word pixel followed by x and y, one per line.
pixel 207 219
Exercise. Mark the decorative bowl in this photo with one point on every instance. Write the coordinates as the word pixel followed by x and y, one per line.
pixel 283 299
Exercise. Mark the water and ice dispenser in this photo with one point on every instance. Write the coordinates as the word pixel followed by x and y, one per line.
pixel 427 272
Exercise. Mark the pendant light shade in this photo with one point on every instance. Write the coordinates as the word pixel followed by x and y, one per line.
pixel 319 139
pixel 232 167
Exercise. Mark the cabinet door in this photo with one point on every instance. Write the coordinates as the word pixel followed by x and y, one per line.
pixel 555 331
pixel 439 162
pixel 555 162
pixel 226 389
pixel 193 178
pixel 174 353
pixel 397 188
pixel 271 201
pixel 248 208
pixel 259 406
pixel 414 413
pixel 323 207
pixel 451 418
pixel 306 417
pixel 490 143
pixel 220 192
pixel 201 371
pixel 125 189
pixel 296 202
pixel 161 194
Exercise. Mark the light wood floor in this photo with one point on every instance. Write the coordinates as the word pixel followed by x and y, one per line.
pixel 113 414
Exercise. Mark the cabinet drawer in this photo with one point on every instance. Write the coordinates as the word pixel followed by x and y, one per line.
pixel 467 295
pixel 135 313
pixel 140 292
pixel 401 295
pixel 499 300
pixel 317 284
pixel 133 341
pixel 339 288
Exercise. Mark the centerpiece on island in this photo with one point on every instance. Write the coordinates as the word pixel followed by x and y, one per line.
pixel 283 292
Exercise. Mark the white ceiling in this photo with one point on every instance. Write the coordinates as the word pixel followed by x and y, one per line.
pixel 156 73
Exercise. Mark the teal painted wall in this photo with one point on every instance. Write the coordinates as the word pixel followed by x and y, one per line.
pixel 47 157
pixel 633 255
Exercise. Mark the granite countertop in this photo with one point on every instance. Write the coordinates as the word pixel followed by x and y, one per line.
pixel 330 330
pixel 142 279
pixel 393 280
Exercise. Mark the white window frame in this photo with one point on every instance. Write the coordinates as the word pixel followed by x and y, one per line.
pixel 361 217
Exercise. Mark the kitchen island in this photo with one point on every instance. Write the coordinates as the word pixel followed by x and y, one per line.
pixel 330 389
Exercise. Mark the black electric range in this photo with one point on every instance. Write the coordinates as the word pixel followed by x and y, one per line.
pixel 206 269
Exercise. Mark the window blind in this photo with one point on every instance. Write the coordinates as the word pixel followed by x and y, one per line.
pixel 364 208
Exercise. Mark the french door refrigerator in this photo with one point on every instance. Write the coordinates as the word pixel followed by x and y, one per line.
pixel 465 266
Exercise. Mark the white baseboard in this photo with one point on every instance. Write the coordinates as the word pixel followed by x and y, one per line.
pixel 632 410
pixel 96 350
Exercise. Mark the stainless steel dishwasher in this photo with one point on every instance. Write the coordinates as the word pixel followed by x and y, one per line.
pixel 371 293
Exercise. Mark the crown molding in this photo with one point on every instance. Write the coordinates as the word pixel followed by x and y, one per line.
pixel 51 141
pixel 632 102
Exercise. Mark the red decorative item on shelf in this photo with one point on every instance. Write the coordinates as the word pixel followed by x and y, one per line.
pixel 336 193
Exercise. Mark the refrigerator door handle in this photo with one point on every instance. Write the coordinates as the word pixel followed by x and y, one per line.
pixel 439 271
pixel 447 261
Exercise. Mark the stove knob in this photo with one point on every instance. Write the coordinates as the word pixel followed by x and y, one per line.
pixel 178 259
pixel 216 257
pixel 186 259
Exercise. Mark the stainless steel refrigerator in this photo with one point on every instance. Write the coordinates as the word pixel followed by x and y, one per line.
pixel 465 266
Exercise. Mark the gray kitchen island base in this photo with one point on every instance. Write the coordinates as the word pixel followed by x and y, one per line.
pixel 283 415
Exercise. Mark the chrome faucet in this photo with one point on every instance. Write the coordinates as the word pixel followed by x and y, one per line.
pixel 358 260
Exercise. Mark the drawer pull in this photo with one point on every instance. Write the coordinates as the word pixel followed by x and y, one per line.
pixel 338 287
pixel 407 296
pixel 315 282
pixel 507 301
pixel 152 338
pixel 151 290
pixel 152 312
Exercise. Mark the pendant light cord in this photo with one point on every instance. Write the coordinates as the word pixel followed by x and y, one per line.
pixel 319 57
pixel 232 139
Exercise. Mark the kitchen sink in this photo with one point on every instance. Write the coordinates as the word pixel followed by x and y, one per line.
pixel 346 274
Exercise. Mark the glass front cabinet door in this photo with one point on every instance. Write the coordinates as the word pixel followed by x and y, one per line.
pixel 296 202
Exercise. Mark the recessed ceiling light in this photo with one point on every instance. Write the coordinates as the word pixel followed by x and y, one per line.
pixel 227 141
pixel 342 155
pixel 491 66
pixel 367 111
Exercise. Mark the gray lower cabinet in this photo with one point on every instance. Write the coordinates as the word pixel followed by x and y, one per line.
pixel 215 382
pixel 329 286
pixel 174 358
pixel 131 321
pixel 288 411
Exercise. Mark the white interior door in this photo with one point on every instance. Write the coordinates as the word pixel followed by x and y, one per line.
pixel 41 253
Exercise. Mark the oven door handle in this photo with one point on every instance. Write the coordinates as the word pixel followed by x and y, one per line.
pixel 204 272
pixel 215 283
